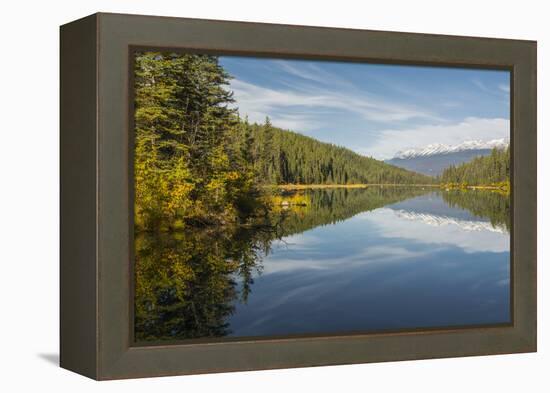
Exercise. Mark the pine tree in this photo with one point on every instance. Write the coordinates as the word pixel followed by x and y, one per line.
pixel 493 169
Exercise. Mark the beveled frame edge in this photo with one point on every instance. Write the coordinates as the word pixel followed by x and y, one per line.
pixel 78 317
pixel 116 358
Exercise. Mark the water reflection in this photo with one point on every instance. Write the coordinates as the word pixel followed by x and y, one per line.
pixel 347 260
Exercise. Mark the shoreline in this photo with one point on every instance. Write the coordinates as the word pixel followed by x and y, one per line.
pixel 296 187
pixel 292 187
pixel 481 188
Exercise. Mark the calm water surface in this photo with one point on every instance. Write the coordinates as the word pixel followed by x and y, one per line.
pixel 350 260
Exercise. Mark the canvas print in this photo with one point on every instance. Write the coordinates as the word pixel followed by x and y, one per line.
pixel 281 197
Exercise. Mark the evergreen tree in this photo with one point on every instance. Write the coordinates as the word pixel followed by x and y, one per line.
pixel 493 169
pixel 198 163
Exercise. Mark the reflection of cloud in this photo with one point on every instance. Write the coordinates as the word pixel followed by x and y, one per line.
pixel 361 257
pixel 392 225
pixel 393 140
pixel 299 292
pixel 504 282
pixel 300 241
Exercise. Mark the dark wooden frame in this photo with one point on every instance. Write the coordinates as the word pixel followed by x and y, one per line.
pixel 96 232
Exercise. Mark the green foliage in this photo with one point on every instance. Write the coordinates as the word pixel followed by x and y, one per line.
pixel 191 166
pixel 197 163
pixel 493 169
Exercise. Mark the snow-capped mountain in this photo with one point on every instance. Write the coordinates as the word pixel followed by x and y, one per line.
pixel 439 148
pixel 434 158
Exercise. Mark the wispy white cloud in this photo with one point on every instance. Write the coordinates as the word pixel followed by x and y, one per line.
pixel 482 86
pixel 374 111
pixel 390 141
pixel 504 88
pixel 295 121
pixel 281 105
pixel 491 89
pixel 450 104
pixel 310 72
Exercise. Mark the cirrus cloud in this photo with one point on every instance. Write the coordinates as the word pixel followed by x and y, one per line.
pixel 292 108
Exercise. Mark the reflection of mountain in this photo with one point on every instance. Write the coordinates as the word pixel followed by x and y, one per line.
pixel 492 206
pixel 329 206
pixel 187 283
pixel 433 159
pixel 467 209
pixel 435 220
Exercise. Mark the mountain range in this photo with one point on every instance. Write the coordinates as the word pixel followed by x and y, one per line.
pixel 434 158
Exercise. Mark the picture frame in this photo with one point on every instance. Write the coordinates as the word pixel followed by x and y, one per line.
pixel 96 305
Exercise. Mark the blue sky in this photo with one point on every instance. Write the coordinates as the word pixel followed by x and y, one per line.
pixel 375 110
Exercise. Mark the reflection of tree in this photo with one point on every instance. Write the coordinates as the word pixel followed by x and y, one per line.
pixel 188 282
pixel 185 282
pixel 328 206
pixel 485 204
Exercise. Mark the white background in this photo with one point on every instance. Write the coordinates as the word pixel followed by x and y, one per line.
pixel 29 165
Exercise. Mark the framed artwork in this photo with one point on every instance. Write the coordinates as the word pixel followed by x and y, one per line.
pixel 242 196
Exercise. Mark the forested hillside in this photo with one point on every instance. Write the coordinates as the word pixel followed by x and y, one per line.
pixel 493 169
pixel 284 157
pixel 197 162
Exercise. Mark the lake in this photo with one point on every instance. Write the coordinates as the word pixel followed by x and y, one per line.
pixel 339 261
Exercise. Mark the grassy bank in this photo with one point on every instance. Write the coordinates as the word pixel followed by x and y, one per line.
pixel 502 187
pixel 293 187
